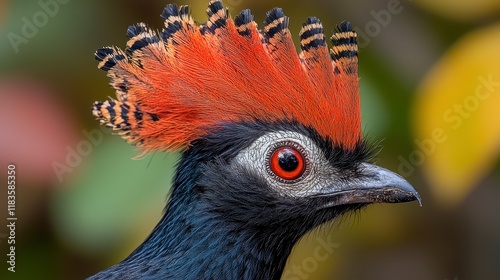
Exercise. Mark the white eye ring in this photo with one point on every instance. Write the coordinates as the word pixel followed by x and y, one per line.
pixel 318 171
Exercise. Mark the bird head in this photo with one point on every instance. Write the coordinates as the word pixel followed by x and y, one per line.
pixel 271 139
pixel 284 175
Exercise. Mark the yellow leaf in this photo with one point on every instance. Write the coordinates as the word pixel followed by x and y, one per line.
pixel 463 9
pixel 457 116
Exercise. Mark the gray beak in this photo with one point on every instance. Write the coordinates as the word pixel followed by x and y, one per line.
pixel 374 185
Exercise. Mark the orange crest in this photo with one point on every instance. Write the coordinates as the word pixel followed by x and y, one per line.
pixel 179 84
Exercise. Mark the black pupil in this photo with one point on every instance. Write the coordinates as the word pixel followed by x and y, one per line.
pixel 288 161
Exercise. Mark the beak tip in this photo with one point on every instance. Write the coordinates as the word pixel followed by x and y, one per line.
pixel 418 198
pixel 407 188
pixel 402 190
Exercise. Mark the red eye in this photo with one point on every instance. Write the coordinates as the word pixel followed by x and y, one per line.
pixel 287 163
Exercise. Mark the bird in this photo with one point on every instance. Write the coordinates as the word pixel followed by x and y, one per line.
pixel 270 139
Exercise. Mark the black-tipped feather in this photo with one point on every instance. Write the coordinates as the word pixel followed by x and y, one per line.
pixel 275 22
pixel 108 58
pixel 242 20
pixel 344 41
pixel 311 34
pixel 217 17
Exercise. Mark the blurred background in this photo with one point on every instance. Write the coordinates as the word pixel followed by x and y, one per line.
pixel 430 85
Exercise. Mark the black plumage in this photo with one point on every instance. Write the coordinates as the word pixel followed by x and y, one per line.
pixel 223 222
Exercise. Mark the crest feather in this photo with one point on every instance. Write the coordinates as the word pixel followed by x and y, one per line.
pixel 180 84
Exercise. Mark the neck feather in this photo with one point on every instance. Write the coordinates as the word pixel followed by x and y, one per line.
pixel 188 244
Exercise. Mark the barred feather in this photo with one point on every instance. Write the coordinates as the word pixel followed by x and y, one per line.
pixel 181 83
